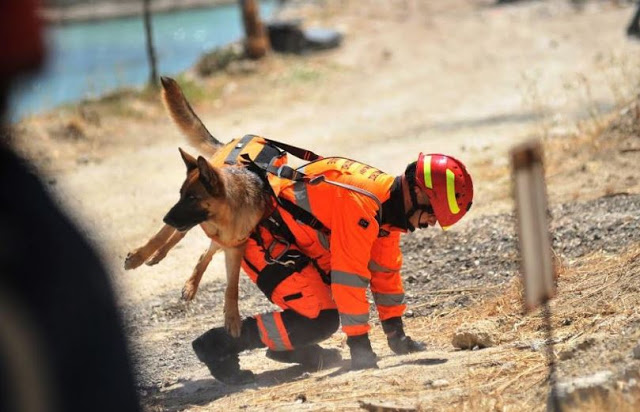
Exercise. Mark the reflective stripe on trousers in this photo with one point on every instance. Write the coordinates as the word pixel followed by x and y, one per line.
pixel 272 331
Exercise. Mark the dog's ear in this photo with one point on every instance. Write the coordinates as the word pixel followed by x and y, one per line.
pixel 189 160
pixel 210 178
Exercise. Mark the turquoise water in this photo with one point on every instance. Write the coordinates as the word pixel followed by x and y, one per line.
pixel 86 60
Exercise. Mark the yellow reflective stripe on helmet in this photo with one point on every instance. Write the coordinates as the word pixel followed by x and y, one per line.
pixel 451 192
pixel 426 161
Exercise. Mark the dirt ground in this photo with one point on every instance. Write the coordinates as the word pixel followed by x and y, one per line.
pixel 461 77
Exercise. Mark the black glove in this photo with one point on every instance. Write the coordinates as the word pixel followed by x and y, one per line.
pixel 399 343
pixel 362 356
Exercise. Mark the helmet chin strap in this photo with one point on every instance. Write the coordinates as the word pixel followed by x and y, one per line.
pixel 416 207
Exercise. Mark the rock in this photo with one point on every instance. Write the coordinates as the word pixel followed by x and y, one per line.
pixel 286 36
pixel 438 383
pixel 322 38
pixel 583 388
pixel 636 351
pixel 482 334
pixel 580 345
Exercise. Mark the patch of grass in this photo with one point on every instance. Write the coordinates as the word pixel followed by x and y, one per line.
pixel 301 73
pixel 219 59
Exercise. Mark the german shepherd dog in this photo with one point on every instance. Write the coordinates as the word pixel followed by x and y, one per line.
pixel 227 202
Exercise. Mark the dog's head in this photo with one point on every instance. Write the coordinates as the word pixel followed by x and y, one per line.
pixel 201 194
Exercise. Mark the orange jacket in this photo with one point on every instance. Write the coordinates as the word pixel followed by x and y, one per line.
pixel 353 252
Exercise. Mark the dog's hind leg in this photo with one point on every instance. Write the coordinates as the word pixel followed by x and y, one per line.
pixel 191 285
pixel 233 258
pixel 140 255
pixel 164 249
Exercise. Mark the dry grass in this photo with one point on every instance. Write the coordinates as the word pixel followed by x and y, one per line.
pixel 596 295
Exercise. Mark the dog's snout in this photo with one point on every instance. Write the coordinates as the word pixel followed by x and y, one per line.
pixel 169 220
pixel 184 217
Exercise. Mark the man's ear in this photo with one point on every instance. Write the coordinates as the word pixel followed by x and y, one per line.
pixel 210 177
pixel 189 160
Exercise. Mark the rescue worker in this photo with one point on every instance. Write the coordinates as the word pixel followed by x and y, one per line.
pixel 335 232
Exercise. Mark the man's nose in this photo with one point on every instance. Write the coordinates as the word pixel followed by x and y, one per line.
pixel 431 220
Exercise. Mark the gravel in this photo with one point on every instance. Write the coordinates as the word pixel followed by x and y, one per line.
pixel 482 254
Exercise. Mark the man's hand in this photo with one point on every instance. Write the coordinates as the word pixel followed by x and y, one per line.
pixel 362 355
pixel 399 343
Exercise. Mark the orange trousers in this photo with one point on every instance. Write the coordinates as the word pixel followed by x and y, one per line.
pixel 309 313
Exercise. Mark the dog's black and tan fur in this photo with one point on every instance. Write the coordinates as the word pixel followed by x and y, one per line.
pixel 227 203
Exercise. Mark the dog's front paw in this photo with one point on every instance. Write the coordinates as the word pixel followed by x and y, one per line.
pixel 232 322
pixel 155 259
pixel 133 260
pixel 189 291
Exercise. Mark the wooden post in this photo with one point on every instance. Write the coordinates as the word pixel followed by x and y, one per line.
pixel 535 245
pixel 256 41
pixel 533 229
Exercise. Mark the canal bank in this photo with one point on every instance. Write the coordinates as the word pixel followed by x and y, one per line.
pixel 65 12
pixel 88 59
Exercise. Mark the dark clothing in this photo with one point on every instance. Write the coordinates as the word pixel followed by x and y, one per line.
pixel 634 25
pixel 56 306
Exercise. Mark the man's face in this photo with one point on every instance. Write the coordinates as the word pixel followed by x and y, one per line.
pixel 421 218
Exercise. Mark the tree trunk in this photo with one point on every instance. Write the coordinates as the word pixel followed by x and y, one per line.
pixel 151 53
pixel 256 41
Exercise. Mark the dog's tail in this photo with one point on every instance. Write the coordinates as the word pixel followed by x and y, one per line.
pixel 186 119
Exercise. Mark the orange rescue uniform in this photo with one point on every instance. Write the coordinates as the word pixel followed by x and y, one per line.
pixel 357 252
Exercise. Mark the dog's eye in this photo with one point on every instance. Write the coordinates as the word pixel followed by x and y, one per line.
pixel 192 198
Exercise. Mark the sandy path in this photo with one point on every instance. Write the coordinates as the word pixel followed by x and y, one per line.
pixel 464 80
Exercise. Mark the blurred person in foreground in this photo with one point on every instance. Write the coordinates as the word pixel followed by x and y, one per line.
pixel 61 342
pixel 634 25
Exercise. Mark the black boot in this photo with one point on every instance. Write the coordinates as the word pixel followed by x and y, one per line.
pixel 362 355
pixel 219 351
pixel 312 356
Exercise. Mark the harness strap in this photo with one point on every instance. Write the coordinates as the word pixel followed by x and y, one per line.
pixel 287 172
pixel 267 155
pixel 232 157
pixel 284 265
pixel 303 154
pixel 272 275
pixel 296 211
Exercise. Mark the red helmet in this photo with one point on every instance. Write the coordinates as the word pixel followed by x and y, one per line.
pixel 447 184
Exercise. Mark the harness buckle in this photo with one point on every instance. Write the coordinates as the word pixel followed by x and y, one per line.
pixel 280 259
